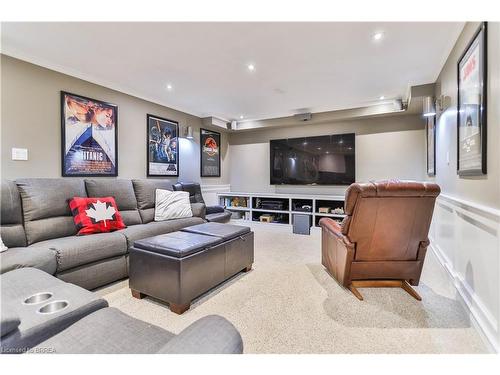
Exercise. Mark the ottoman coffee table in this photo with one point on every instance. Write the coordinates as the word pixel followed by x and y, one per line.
pixel 180 266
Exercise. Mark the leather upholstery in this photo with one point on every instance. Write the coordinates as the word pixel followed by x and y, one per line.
pixel 213 213
pixel 384 235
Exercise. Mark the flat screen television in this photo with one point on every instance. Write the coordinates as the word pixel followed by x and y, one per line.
pixel 322 160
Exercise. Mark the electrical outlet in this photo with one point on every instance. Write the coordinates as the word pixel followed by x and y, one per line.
pixel 19 153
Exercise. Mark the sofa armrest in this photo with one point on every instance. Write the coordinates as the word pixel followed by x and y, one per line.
pixel 209 335
pixel 21 257
pixel 9 320
pixel 214 209
pixel 199 210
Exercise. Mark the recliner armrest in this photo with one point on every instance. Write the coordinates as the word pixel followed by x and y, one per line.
pixel 9 320
pixel 214 209
pixel 199 209
pixel 209 335
pixel 21 257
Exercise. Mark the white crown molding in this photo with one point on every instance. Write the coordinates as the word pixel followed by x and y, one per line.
pixel 87 77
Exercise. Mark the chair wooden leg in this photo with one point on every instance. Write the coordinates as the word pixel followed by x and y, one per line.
pixel 412 292
pixel 403 284
pixel 356 292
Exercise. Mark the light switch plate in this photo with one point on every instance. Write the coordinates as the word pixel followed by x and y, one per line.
pixel 19 153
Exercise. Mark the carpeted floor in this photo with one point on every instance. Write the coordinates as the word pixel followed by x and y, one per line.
pixel 289 304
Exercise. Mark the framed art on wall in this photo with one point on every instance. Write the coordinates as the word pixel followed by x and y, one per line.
pixel 430 131
pixel 209 153
pixel 163 147
pixel 471 114
pixel 89 144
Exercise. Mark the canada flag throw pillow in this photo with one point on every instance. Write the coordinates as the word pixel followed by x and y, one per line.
pixel 95 215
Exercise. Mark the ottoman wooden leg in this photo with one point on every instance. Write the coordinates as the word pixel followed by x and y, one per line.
pixel 137 294
pixel 248 268
pixel 179 309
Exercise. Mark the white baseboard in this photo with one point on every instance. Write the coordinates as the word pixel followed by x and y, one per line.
pixel 482 320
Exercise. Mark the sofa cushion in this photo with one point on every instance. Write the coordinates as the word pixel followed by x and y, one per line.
pixel 45 206
pixel 96 215
pixel 74 251
pixel 109 331
pixel 123 192
pixel 138 232
pixel 145 191
pixel 11 215
pixel 21 257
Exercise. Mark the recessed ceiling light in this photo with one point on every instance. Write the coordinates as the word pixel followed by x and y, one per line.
pixel 382 97
pixel 251 67
pixel 378 36
pixel 169 87
pixel 242 117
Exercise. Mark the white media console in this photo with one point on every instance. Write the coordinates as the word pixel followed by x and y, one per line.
pixel 251 206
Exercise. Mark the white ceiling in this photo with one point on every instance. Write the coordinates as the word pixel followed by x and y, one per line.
pixel 299 66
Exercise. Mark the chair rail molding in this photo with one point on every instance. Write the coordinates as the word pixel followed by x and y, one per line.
pixel 465 238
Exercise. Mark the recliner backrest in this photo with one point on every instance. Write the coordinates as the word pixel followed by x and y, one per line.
pixel 192 188
pixel 145 192
pixel 123 192
pixel 45 203
pixel 387 220
pixel 11 216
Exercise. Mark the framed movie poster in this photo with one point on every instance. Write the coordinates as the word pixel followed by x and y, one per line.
pixel 163 147
pixel 430 131
pixel 210 153
pixel 89 137
pixel 471 116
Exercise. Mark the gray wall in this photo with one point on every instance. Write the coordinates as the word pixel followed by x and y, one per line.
pixel 465 231
pixel 31 119
pixel 483 189
pixel 386 147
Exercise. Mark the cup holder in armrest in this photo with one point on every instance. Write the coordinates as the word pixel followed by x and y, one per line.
pixel 37 298
pixel 53 307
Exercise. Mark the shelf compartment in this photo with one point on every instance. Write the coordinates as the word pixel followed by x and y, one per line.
pixel 298 203
pixel 331 204
pixel 280 217
pixel 235 202
pixel 264 203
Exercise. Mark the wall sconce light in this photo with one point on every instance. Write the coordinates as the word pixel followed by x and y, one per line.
pixel 188 132
pixel 429 106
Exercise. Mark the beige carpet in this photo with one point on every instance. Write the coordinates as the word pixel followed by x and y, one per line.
pixel 289 304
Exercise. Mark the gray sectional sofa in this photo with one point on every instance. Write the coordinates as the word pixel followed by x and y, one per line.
pixel 38 228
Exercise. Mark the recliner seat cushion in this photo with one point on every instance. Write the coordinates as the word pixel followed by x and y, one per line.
pixel 123 192
pixel 45 206
pixel 138 232
pixel 11 216
pixel 74 251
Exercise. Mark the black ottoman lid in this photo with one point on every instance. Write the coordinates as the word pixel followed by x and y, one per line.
pixel 177 244
pixel 224 231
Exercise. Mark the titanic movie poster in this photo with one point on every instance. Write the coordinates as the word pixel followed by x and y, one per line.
pixel 472 107
pixel 210 153
pixel 163 147
pixel 89 136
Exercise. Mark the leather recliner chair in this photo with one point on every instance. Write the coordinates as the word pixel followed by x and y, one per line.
pixel 383 239
pixel 213 213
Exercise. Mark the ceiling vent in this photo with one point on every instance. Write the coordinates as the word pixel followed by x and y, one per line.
pixel 303 116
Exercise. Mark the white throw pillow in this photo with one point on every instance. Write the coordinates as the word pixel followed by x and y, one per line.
pixel 2 245
pixel 172 205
